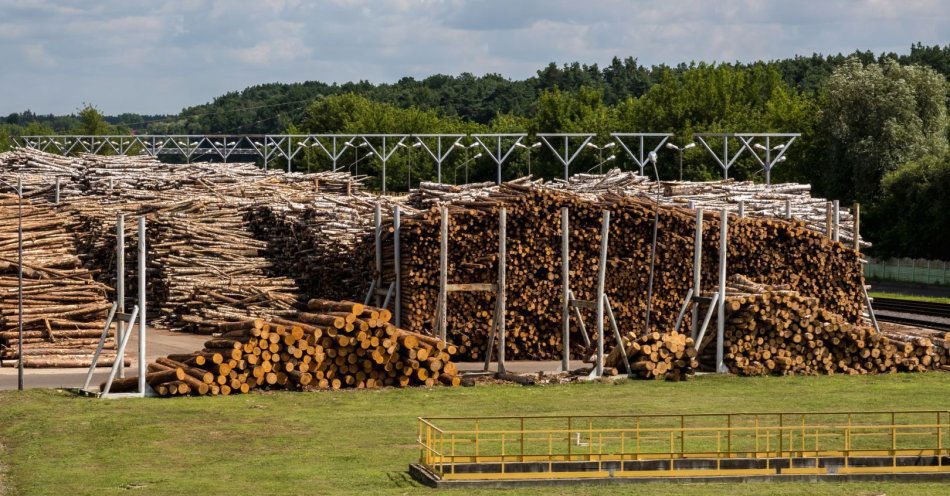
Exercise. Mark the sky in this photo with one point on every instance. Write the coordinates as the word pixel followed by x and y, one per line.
pixel 158 56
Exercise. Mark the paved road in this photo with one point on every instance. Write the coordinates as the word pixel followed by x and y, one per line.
pixel 160 342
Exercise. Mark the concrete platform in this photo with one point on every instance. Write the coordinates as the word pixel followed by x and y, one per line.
pixel 159 343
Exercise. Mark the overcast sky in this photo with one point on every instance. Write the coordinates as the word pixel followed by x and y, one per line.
pixel 157 56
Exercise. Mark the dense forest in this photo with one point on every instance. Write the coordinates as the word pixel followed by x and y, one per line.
pixel 874 126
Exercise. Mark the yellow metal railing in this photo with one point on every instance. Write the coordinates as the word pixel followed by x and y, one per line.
pixel 449 442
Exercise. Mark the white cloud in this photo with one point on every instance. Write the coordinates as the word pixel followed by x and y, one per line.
pixel 185 52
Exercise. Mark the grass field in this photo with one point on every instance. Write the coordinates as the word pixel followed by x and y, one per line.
pixel 901 296
pixel 361 442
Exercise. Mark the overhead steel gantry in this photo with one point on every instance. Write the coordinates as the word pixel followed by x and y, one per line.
pixel 496 154
pixel 642 156
pixel 747 142
pixel 188 146
pixel 567 157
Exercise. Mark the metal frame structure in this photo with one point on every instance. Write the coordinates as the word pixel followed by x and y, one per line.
pixel 440 154
pixel 155 145
pixel 643 157
pixel 748 140
pixel 385 152
pixel 498 157
pixel 608 447
pixel 393 291
pixel 137 316
pixel 336 152
pixel 568 157
pixel 498 317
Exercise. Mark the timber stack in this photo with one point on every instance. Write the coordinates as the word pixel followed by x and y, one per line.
pixel 775 251
pixel 656 355
pixel 63 307
pixel 326 244
pixel 332 345
pixel 772 329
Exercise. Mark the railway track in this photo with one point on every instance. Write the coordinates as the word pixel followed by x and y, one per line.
pixel 915 313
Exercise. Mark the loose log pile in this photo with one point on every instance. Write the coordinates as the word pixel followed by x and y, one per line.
pixel 332 345
pixel 775 251
pixel 771 329
pixel 63 307
pixel 655 355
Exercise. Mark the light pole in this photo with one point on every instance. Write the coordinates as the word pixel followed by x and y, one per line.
pixel 671 146
pixel 356 154
pixel 19 237
pixel 600 154
pixel 465 163
pixel 768 160
pixel 602 162
pixel 529 148
pixel 356 163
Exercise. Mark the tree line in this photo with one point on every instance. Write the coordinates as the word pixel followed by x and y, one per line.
pixel 874 127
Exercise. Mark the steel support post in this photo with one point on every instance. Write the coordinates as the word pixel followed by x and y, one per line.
pixel 721 304
pixel 142 309
pixel 500 294
pixel 697 268
pixel 836 221
pixel 443 272
pixel 378 243
pixel 397 229
pixel 601 275
pixel 741 208
pixel 19 236
pixel 56 195
pixel 565 291
pixel 120 282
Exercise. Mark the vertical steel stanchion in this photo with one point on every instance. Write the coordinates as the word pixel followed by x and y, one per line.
pixel 741 208
pixel 721 304
pixel 565 287
pixel 836 220
pixel 142 319
pixel 120 282
pixel 377 234
pixel 601 275
pixel 397 227
pixel 56 196
pixel 697 268
pixel 443 275
pixel 19 206
pixel 502 258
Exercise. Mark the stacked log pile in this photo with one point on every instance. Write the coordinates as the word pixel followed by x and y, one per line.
pixel 759 200
pixel 203 265
pixel 332 345
pixel 771 329
pixel 771 250
pixel 63 307
pixel 326 244
pixel 39 171
pixel 655 355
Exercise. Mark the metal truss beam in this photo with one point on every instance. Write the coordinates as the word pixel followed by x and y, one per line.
pixel 441 153
pixel 497 156
pixel 386 149
pixel 567 157
pixel 642 156
pixel 725 162
pixel 748 141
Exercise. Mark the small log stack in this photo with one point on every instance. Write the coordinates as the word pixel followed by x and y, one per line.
pixel 772 329
pixel 655 355
pixel 63 307
pixel 332 345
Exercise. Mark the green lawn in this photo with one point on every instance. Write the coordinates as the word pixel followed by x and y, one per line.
pixel 361 442
pixel 901 296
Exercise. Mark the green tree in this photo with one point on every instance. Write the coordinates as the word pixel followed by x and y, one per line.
pixel 92 122
pixel 912 217
pixel 874 118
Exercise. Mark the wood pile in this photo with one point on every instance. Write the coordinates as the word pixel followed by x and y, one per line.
pixel 63 307
pixel 767 249
pixel 772 329
pixel 326 244
pixel 204 266
pixel 759 200
pixel 332 345
pixel 655 355
pixel 38 171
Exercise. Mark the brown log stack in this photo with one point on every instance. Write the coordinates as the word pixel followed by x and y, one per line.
pixel 333 345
